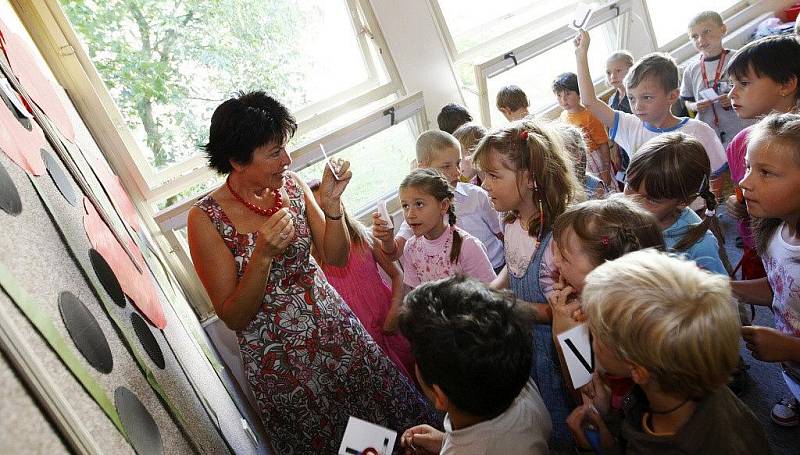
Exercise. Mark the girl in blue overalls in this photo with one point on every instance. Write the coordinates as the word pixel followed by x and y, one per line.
pixel 529 176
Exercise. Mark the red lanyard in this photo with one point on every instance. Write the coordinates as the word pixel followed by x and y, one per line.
pixel 718 73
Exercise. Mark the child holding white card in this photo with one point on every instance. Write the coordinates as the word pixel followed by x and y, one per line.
pixel 671 328
pixel 585 236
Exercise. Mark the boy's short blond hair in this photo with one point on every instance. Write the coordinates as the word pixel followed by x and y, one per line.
pixel 659 65
pixel 622 55
pixel 667 315
pixel 512 97
pixel 433 141
pixel 707 16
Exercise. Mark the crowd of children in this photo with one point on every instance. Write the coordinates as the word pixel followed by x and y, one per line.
pixel 513 236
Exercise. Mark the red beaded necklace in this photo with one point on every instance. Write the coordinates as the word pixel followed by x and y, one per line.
pixel 276 194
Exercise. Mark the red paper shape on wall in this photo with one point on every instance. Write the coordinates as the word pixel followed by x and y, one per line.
pixel 138 286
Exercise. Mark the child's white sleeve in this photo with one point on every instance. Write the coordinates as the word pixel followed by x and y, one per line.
pixel 624 129
pixel 716 153
pixel 490 215
pixel 687 87
pixel 474 261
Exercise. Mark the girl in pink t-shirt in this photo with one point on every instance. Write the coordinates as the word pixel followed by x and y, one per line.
pixel 438 249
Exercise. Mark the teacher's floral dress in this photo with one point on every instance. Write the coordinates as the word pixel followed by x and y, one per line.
pixel 309 362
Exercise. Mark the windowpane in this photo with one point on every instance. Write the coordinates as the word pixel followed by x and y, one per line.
pixel 169 64
pixel 473 22
pixel 379 163
pixel 671 19
pixel 536 75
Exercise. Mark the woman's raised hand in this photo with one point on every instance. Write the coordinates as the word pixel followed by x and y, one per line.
pixel 276 233
pixel 331 187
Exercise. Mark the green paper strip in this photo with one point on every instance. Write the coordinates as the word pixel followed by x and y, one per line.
pixel 123 329
pixel 40 320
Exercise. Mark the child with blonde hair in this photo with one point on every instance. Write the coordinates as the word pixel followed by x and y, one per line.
pixel 529 176
pixel 575 145
pixel 671 328
pixel 468 135
pixel 617 66
pixel 770 188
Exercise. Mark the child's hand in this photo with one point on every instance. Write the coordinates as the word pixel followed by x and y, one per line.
pixel 584 415
pixel 725 102
pixel 380 229
pixel 770 345
pixel 422 439
pixel 596 393
pixel 565 307
pixel 702 106
pixel 390 323
pixel 735 208
pixel 582 42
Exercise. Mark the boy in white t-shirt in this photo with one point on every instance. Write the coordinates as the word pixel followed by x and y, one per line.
pixel 473 348
pixel 652 88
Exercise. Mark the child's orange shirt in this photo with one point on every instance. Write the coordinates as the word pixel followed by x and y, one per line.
pixel 593 130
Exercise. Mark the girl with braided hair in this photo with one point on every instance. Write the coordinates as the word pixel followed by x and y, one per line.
pixel 438 249
pixel 665 176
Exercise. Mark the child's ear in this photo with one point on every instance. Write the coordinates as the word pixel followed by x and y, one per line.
pixel 724 29
pixel 789 87
pixel 444 205
pixel 440 400
pixel 639 374
pixel 673 95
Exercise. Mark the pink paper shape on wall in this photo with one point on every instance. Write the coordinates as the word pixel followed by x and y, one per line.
pixel 22 146
pixel 138 286
pixel 31 75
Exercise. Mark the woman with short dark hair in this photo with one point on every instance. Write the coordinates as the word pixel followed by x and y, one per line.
pixel 308 360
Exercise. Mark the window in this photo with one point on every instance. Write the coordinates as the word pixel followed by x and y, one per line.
pixel 379 163
pixel 670 19
pixel 470 24
pixel 536 75
pixel 167 65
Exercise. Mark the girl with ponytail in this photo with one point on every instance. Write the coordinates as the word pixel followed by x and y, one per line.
pixel 666 175
pixel 438 249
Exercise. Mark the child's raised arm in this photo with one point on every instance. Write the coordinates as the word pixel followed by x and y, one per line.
pixel 588 97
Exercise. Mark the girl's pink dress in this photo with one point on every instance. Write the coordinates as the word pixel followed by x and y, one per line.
pixel 363 289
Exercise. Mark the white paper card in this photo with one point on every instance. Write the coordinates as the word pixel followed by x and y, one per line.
pixel 583 13
pixel 330 163
pixel 384 213
pixel 11 94
pixel 577 349
pixel 361 435
pixel 708 94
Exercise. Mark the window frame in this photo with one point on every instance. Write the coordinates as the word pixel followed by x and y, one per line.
pixel 503 38
pixel 501 63
pixel 155 185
